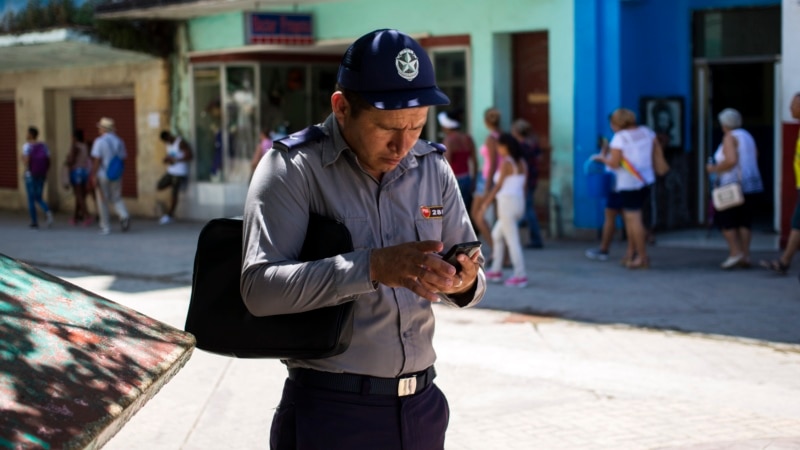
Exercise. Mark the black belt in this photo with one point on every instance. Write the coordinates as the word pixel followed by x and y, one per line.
pixel 363 384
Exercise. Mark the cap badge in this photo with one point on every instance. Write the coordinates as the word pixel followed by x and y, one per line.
pixel 407 64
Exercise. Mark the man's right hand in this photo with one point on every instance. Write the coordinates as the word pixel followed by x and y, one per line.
pixel 415 265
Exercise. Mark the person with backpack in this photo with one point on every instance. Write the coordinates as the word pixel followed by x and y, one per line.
pixel 36 157
pixel 108 154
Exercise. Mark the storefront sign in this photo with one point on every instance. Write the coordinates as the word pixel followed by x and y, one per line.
pixel 271 28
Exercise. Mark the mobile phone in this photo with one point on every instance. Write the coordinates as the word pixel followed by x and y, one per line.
pixel 467 248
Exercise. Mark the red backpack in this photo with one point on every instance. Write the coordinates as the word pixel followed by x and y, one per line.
pixel 38 160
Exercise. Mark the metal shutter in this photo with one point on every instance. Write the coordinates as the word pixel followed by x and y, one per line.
pixel 9 154
pixel 87 112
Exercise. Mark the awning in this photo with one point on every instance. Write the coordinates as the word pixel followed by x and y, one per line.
pixel 59 48
pixel 186 9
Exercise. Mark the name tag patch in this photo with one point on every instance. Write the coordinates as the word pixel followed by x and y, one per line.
pixel 431 212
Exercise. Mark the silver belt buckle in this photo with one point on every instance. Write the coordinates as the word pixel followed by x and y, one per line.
pixel 406 386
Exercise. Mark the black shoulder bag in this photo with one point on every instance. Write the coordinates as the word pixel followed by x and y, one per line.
pixel 220 321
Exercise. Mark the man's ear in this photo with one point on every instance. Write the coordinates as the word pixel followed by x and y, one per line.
pixel 339 105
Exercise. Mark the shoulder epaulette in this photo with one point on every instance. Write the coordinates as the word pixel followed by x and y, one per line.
pixel 294 140
pixel 438 146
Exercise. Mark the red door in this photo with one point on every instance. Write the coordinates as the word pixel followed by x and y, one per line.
pixel 87 112
pixel 531 97
pixel 9 153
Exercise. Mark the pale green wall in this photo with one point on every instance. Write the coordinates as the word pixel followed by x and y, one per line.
pixel 488 24
pixel 217 32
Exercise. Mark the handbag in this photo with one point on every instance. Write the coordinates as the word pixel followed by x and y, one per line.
pixel 727 196
pixel 220 321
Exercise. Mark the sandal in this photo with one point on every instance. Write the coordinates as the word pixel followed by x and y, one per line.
pixel 776 266
pixel 641 264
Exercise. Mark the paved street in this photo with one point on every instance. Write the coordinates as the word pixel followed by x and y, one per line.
pixel 589 355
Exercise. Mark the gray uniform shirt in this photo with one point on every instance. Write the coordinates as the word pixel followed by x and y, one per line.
pixel 393 327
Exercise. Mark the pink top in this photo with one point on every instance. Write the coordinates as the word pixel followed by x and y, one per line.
pixel 266 144
pixel 485 155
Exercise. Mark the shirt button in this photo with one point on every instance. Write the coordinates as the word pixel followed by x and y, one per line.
pixel 407 334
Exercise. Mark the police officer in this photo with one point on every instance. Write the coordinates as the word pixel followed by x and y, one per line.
pixel 366 167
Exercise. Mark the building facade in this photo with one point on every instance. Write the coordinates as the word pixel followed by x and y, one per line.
pixel 685 61
pixel 247 66
pixel 236 81
pixel 59 81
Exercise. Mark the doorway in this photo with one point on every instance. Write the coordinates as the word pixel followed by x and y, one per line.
pixel 748 86
pixel 737 70
pixel 531 101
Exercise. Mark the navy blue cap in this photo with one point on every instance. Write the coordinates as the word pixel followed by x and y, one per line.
pixel 390 70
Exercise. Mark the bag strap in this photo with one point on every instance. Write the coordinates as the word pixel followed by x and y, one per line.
pixel 632 170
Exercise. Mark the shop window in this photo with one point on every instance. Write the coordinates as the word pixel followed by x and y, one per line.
pixel 295 96
pixel 241 118
pixel 451 77
pixel 208 123
pixel 233 103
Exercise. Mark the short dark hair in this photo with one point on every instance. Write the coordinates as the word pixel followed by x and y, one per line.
pixel 165 135
pixel 356 101
pixel 508 141
pixel 34 132
pixel 78 133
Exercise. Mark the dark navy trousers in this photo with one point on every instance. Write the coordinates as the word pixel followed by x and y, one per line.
pixel 310 419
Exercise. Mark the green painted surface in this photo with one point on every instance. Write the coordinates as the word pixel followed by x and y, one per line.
pixel 217 32
pixel 74 366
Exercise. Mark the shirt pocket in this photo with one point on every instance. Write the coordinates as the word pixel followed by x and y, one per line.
pixel 429 229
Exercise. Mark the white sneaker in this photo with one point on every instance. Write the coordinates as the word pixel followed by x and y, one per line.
pixel 105 231
pixel 165 219
pixel 49 219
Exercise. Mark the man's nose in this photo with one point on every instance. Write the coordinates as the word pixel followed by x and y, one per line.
pixel 402 141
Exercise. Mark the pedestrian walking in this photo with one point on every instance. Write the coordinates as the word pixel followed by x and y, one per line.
pixel 179 153
pixel 78 165
pixel 36 158
pixel 461 154
pixel 612 210
pixel 781 265
pixel 366 167
pixel 491 161
pixel 736 161
pixel 631 157
pixel 108 153
pixel 509 191
pixel 531 152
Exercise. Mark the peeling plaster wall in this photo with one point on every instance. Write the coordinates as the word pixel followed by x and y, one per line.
pixel 43 99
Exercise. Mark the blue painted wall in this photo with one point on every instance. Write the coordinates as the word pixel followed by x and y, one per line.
pixel 625 50
pixel 597 92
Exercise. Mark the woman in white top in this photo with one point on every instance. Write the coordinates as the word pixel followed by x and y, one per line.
pixel 509 191
pixel 631 159
pixel 736 160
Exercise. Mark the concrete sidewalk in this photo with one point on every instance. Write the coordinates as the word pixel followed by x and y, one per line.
pixel 682 355
pixel 683 290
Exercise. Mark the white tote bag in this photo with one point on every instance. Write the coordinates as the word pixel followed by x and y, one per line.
pixel 727 196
